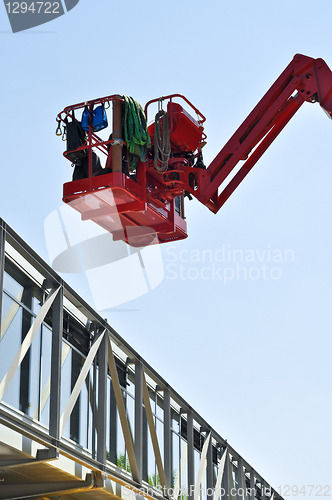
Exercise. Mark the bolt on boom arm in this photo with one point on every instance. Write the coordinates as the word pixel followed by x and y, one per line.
pixel 304 79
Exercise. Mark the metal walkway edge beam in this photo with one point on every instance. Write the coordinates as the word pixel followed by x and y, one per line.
pixel 43 455
pixel 28 490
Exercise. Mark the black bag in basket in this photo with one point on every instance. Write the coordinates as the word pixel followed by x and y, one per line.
pixel 81 170
pixel 75 139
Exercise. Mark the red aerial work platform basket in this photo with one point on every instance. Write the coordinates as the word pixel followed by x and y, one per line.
pixel 137 208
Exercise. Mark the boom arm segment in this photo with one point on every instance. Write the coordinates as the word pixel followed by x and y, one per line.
pixel 304 79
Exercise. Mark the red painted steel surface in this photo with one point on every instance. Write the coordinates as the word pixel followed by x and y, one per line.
pixel 116 203
pixel 304 79
pixel 185 133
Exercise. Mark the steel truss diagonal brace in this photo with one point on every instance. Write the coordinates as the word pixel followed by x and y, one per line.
pixel 220 475
pixel 153 434
pixel 21 491
pixel 201 468
pixel 177 489
pixel 6 322
pixel 27 342
pixel 80 381
pixel 47 389
pixel 122 413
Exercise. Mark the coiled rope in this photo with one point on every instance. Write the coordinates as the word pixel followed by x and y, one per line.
pixel 162 147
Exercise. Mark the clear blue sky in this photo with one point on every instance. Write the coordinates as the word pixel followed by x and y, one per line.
pixel 253 356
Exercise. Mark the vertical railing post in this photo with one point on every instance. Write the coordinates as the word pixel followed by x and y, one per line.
pixel 145 448
pixel 138 445
pixel 2 261
pixel 190 442
pixel 117 136
pixel 113 426
pixel 24 372
pixel 252 486
pixel 262 490
pixel 239 479
pixel 225 481
pixel 209 471
pixel 167 438
pixel 55 384
pixel 102 400
pixel 94 407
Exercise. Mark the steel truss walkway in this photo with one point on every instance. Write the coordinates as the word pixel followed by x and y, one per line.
pixel 82 415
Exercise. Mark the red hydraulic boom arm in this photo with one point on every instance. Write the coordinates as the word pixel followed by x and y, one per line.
pixel 147 206
pixel 304 79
